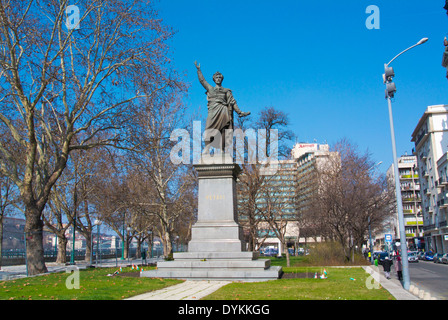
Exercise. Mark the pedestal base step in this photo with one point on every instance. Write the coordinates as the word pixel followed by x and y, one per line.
pixel 237 266
pixel 247 275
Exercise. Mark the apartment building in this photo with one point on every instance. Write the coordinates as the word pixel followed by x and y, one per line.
pixel 411 200
pixel 278 192
pixel 430 137
pixel 310 158
pixel 292 188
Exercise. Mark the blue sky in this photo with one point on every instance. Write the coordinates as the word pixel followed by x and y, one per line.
pixel 318 62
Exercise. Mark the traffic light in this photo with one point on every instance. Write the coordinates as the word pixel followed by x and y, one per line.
pixel 387 79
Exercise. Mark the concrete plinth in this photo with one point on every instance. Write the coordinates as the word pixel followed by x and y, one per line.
pixel 216 250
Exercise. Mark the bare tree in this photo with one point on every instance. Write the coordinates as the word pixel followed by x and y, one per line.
pixel 274 214
pixel 348 195
pixel 59 83
pixel 251 182
pixel 157 118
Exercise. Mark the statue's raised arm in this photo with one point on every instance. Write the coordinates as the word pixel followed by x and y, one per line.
pixel 201 78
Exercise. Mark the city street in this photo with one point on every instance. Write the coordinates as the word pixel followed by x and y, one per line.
pixel 431 277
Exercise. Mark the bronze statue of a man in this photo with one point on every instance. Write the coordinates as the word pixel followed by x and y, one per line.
pixel 220 104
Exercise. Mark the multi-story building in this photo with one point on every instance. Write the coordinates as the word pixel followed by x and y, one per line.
pixel 411 200
pixel 278 192
pixel 431 146
pixel 291 189
pixel 310 158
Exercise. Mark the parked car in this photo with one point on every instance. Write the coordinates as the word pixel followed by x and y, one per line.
pixel 421 255
pixel 382 256
pixel 445 258
pixel 428 256
pixel 437 258
pixel 270 252
pixel 375 254
pixel 412 257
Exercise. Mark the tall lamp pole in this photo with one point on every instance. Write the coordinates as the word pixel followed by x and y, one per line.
pixel 390 91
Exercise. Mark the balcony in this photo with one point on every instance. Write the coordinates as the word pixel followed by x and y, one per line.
pixel 409 199
pixel 443 181
pixel 409 176
pixel 420 137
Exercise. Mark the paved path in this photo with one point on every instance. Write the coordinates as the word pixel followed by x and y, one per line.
pixel 392 285
pixel 188 290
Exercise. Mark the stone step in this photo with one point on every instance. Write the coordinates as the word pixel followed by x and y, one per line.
pixel 247 275
pixel 215 264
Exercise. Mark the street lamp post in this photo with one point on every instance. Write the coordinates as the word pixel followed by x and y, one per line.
pixel 390 91
pixel 124 237
pixel 128 229
pixel 72 254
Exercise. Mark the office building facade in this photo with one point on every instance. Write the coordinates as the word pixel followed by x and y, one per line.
pixel 430 137
pixel 411 201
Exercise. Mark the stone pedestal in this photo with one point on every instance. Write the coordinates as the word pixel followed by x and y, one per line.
pixel 216 250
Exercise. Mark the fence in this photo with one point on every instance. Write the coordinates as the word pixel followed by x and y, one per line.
pixel 17 256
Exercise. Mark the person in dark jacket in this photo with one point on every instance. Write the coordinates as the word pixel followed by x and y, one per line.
pixel 387 263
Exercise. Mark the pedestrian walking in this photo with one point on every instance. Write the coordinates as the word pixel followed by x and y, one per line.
pixel 399 268
pixel 387 263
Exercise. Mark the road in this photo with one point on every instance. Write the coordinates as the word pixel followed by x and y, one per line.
pixel 431 277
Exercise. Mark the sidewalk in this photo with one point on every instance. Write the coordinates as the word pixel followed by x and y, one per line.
pixel 392 285
pixel 188 290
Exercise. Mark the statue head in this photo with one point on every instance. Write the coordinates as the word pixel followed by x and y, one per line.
pixel 218 78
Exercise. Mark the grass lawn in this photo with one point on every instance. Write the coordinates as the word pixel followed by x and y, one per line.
pixel 337 286
pixel 94 284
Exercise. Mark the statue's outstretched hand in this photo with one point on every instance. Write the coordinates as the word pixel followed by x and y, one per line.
pixel 244 114
pixel 198 65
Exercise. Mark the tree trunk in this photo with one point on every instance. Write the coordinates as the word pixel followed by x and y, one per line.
pixel 62 248
pixel 139 248
pixel 88 255
pixel 285 246
pixel 34 242
pixel 168 248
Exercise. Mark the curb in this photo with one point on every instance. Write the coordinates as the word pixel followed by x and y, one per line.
pixel 420 293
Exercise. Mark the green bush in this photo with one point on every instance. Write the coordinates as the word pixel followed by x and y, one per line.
pixel 331 253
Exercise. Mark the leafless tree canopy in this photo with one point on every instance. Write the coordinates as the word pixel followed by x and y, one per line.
pixel 348 196
pixel 69 89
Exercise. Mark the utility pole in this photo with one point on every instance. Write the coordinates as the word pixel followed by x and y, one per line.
pixel 390 92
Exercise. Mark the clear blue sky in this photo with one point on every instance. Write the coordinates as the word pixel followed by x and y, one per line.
pixel 317 61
